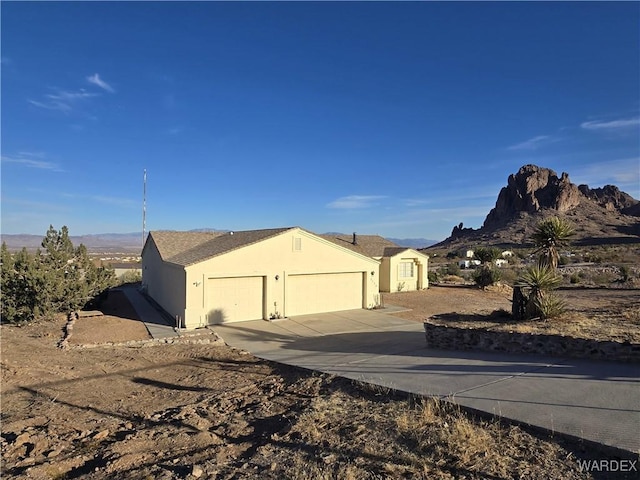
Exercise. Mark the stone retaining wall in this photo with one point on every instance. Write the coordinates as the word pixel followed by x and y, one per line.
pixel 452 338
pixel 195 339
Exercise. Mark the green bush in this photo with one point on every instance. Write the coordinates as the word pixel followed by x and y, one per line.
pixel 487 254
pixel 62 278
pixel 508 275
pixel 453 269
pixel 547 306
pixel 432 277
pixel 485 276
pixel 131 276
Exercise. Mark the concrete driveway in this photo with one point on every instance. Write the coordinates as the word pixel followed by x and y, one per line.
pixel 597 401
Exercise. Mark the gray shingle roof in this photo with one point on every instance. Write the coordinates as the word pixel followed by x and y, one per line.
pixel 369 245
pixel 187 248
pixel 170 243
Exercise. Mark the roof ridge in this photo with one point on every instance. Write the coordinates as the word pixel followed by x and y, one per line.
pixel 224 243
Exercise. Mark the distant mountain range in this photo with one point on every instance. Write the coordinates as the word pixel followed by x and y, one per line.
pixel 413 242
pixel 131 243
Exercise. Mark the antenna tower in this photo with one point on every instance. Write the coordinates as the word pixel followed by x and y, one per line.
pixel 144 205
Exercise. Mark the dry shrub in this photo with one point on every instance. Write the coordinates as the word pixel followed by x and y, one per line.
pixel 349 437
pixel 442 431
pixel 632 314
pixel 453 279
pixel 304 469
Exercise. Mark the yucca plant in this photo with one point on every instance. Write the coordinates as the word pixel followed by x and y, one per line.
pixel 537 283
pixel 551 234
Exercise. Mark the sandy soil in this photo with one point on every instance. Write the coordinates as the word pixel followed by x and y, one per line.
pixel 600 313
pixel 190 410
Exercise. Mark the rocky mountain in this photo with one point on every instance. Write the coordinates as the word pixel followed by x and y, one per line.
pixel 599 215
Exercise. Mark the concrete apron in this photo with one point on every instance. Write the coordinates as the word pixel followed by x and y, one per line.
pixel 596 401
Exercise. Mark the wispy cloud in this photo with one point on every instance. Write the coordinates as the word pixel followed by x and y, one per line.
pixel 532 144
pixel 611 124
pixel 31 160
pixel 96 80
pixel 623 173
pixel 62 100
pixel 355 201
pixel 68 100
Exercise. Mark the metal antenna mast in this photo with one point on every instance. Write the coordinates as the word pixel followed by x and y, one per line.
pixel 144 205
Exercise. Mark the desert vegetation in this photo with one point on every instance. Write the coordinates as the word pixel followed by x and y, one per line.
pixel 57 278
pixel 189 410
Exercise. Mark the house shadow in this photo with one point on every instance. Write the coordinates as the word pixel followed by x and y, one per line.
pixel 433 360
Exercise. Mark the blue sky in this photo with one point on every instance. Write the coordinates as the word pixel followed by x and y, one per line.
pixel 401 119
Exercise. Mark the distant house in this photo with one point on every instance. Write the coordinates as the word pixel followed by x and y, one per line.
pixel 204 278
pixel 469 263
pixel 401 268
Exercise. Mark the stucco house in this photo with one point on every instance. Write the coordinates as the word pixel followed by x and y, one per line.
pixel 204 278
pixel 402 269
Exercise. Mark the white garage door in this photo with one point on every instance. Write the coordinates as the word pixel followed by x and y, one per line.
pixel 234 299
pixel 328 292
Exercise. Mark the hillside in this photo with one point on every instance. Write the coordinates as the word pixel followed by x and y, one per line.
pixel 600 215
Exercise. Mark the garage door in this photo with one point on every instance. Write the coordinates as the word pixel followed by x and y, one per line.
pixel 234 299
pixel 323 293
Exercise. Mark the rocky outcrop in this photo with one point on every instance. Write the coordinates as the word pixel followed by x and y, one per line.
pixel 611 198
pixel 530 190
pixel 599 215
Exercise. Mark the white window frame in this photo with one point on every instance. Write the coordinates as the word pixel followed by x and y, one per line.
pixel 402 269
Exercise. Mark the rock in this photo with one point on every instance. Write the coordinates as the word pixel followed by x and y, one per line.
pixel 54 453
pixel 532 189
pixel 22 439
pixel 197 471
pixel 40 445
pixel 611 198
pixel 101 435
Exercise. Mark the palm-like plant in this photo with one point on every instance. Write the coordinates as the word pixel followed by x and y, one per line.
pixel 551 234
pixel 538 282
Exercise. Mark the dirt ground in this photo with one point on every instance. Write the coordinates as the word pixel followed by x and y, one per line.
pixel 144 410
pixel 598 313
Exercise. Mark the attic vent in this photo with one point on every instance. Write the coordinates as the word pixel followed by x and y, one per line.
pixel 297 244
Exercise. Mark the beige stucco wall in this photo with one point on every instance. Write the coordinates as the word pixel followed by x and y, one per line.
pixel 164 282
pixel 273 257
pixel 392 282
pixel 385 274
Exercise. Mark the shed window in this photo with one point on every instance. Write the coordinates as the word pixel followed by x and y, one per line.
pixel 405 269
